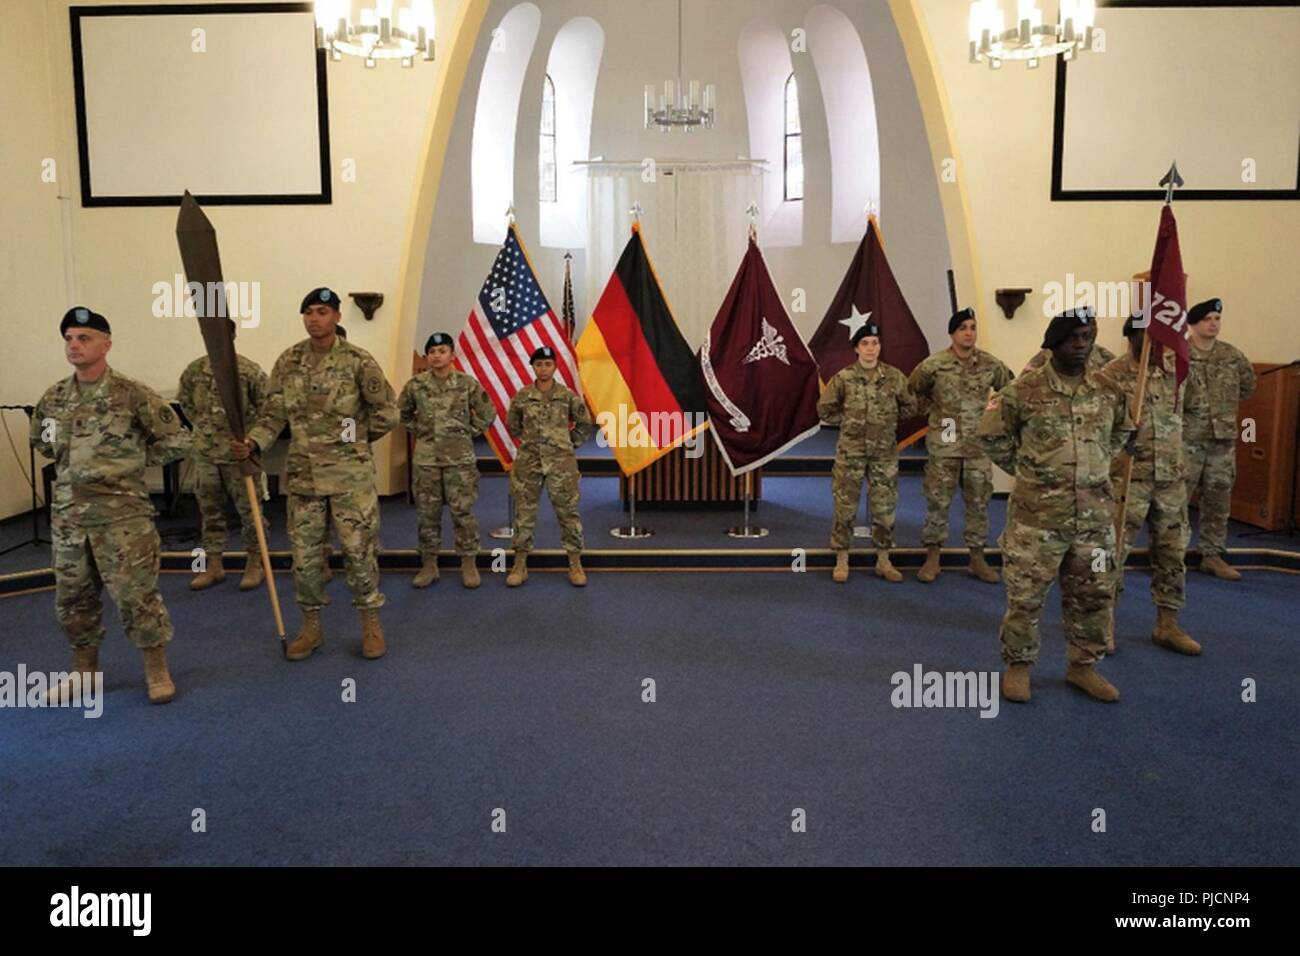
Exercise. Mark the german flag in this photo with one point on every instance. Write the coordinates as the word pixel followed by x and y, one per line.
pixel 640 377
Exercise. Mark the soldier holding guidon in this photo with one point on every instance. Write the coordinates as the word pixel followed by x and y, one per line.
pixel 445 410
pixel 953 387
pixel 102 431
pixel 336 401
pixel 867 400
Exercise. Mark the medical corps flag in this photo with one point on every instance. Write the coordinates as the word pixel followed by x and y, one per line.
pixel 1168 306
pixel 511 320
pixel 760 379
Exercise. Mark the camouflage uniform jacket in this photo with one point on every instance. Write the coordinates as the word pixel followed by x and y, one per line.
pixel 1160 437
pixel 949 388
pixel 1217 380
pixel 1058 446
pixel 542 422
pixel 334 408
pixel 444 415
pixel 102 437
pixel 867 404
pixel 201 402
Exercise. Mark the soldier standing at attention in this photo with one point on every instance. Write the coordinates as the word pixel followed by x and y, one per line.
pixel 337 402
pixel 549 422
pixel 102 431
pixel 1157 493
pixel 953 386
pixel 866 400
pixel 1056 428
pixel 445 410
pixel 1219 378
pixel 215 473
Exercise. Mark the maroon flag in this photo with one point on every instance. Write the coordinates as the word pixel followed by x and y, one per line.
pixel 1166 306
pixel 869 290
pixel 760 380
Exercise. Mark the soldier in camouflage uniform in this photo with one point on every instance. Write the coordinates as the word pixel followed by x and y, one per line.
pixel 216 474
pixel 337 402
pixel 445 409
pixel 549 422
pixel 102 431
pixel 1157 493
pixel 1219 378
pixel 867 400
pixel 953 386
pixel 1098 359
pixel 1056 428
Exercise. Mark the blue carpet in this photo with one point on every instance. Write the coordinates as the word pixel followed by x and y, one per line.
pixel 773 693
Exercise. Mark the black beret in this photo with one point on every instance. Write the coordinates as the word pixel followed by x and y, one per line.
pixel 867 328
pixel 545 352
pixel 440 338
pixel 958 318
pixel 322 296
pixel 1199 311
pixel 340 331
pixel 84 317
pixel 1063 325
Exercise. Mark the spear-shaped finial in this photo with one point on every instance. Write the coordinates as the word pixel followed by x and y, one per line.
pixel 1171 180
pixel 635 212
pixel 752 211
pixel 510 214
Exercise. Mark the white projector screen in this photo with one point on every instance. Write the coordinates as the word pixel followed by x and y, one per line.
pixel 1216 88
pixel 226 101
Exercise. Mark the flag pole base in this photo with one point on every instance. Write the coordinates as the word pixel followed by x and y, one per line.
pixel 632 532
pixel 502 534
pixel 747 532
pixel 861 531
pixel 506 531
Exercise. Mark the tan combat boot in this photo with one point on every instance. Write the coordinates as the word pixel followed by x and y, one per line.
pixel 841 572
pixel 1015 682
pixel 1168 634
pixel 577 576
pixel 309 637
pixel 469 571
pixel 885 569
pixel 1214 564
pixel 372 634
pixel 519 573
pixel 84 660
pixel 930 570
pixel 156 678
pixel 253 573
pixel 214 575
pixel 979 567
pixel 427 574
pixel 1086 678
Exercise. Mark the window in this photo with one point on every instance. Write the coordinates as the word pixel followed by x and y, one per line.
pixel 793 142
pixel 546 162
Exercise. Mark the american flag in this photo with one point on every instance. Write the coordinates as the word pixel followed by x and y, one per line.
pixel 510 320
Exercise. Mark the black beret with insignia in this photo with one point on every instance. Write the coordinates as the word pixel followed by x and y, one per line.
pixel 958 318
pixel 438 338
pixel 1063 326
pixel 1199 311
pixel 322 296
pixel 85 318
pixel 545 352
pixel 867 328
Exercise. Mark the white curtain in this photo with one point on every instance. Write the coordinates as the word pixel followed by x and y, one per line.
pixel 694 224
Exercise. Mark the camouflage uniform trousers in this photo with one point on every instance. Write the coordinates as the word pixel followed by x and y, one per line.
pixel 1031 559
pixel 1164 505
pixel 1211 467
pixel 942 476
pixel 124 556
pixel 213 481
pixel 560 475
pixel 456 487
pixel 355 515
pixel 847 475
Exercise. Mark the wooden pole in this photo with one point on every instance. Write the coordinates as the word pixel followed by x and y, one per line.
pixel 1139 399
pixel 251 490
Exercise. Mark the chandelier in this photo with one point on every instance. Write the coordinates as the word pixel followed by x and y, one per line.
pixel 377 36
pixel 680 106
pixel 1030 39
